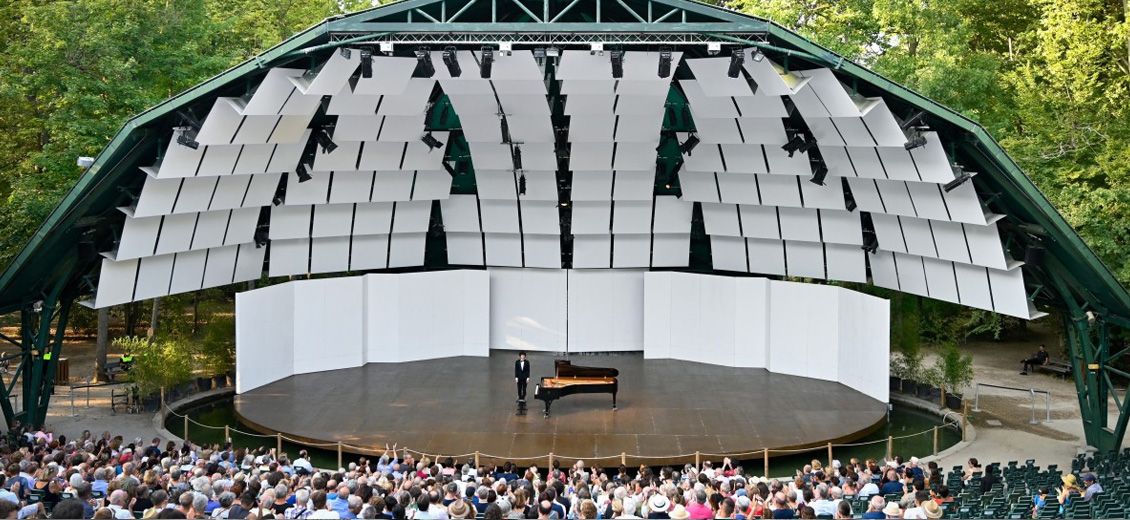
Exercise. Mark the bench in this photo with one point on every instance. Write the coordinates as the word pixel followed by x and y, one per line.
pixel 1056 366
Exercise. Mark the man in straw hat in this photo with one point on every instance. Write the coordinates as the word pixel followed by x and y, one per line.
pixel 657 506
pixel 892 510
pixel 679 513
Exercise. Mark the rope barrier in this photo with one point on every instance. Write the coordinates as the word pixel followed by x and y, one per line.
pixel 737 455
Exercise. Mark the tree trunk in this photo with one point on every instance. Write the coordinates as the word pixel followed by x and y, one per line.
pixel 101 345
pixel 152 332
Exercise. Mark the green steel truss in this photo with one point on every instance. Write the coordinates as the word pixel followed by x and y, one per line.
pixel 58 263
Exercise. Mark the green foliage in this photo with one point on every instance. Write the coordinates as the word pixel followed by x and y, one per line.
pixel 216 346
pixel 953 371
pixel 162 363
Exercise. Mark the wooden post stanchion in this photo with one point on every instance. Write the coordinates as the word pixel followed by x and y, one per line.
pixel 278 445
pixel 476 460
pixel 829 456
pixel 185 429
pixel 623 458
pixel 550 466
pixel 162 399
pixel 227 433
pixel 964 417
pixel 765 458
pixel 890 447
pixel 697 460
pixel 339 454
pixel 935 441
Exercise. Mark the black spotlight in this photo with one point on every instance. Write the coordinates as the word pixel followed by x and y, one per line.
pixel 278 200
pixel 303 172
pixel 870 242
pixel 960 177
pixel 485 65
pixel 794 144
pixel 345 53
pixel 424 68
pixel 452 62
pixel 617 58
pixel 736 61
pixel 664 63
pixel 261 237
pixel 431 141
pixel 323 138
pixel 188 138
pixel 366 63
pixel 849 200
pixel 808 145
pixel 505 130
pixel 517 158
pixel 818 175
pixel 688 146
pixel 915 140
pixel 522 184
pixel 191 128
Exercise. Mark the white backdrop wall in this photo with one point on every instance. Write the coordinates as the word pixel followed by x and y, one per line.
pixel 605 310
pixel 816 331
pixel 314 325
pixel 527 309
pixel 263 336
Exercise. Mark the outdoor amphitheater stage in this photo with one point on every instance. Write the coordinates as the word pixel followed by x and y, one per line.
pixel 668 410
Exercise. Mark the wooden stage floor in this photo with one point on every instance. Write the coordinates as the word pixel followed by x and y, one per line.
pixel 667 409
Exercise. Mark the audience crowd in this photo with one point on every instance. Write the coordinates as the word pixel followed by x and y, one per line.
pixel 103 476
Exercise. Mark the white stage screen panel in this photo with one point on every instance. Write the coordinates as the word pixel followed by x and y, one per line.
pixel 328 317
pixel 606 310
pixel 414 316
pixel 528 309
pixel 264 350
pixel 864 355
pixel 803 334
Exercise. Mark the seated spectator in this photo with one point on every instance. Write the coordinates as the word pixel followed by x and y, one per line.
pixel 1092 487
pixel 892 510
pixel 875 508
pixel 1029 363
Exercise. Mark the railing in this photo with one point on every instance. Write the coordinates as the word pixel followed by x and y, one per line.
pixel 1031 391
pixel 622 458
pixel 73 388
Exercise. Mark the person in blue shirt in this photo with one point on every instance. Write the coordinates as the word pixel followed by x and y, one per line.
pixel 892 485
pixel 875 508
pixel 339 501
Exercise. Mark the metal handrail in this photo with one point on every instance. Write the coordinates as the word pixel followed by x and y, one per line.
pixel 1031 391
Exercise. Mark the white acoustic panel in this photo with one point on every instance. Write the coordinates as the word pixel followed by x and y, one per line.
pixel 591 217
pixel 950 238
pixel 540 218
pixel 804 259
pixel 332 220
pixel 919 237
pixel 195 195
pixel 985 246
pixel 799 224
pixel 973 286
pixel 941 280
pixel 368 252
pixel 406 249
pixel 411 217
pixel 413 101
pixel 249 262
pixel 392 186
pixel 845 262
pixel 158 196
pixel 503 249
pixel 262 189
pixel 766 256
pixel 543 251
pixel 314 191
pixel 841 227
pixel 592 251
pixel 499 216
pixel 635 156
pixel 744 158
pixel 898 164
pixel 721 219
pixel 391 75
pixel 631 250
pixel 329 254
pixel 883 270
pixel 670 250
pixel 882 125
pixel 460 214
pixel 256 129
pixel 963 204
pixel 153 277
pixel 833 95
pixel 464 248
pixel 928 202
pixel 541 186
pixel 176 233
pixel 779 190
pixel 492 184
pixel 672 215
pixel 704 158
pixel 372 218
pixel 528 309
pixel 347 103
pixel 635 186
pixel 591 156
pixel 896 198
pixel 866 195
pixel 912 275
pixel 760 222
pixel 188 271
pixel 351 187
pixel 1009 295
pixel 211 226
pixel 781 164
pixel 866 162
pixel 289 257
pixel 704 106
pixel 711 74
pixel 264 352
pixel 828 196
pixel 328 323
pixel 771 79
pixel 231 191
pixel 221 123
pixel 698 187
pixel 358 127
pixel 631 217
pixel 738 188
pixel 382 156
pixel 116 282
pixel 431 185
pixel 219 269
pixel 728 253
pixel 344 157
pixel 139 237
pixel 718 130
pixel 290 222
pixel 333 76
pixel 932 162
pixel 219 160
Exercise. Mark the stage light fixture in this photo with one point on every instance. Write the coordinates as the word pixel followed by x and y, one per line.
pixel 424 67
pixel 688 146
pixel 386 47
pixel 664 63
pixel 184 140
pixel 596 48
pixel 303 172
pixel 431 141
pixel 522 184
pixel 553 52
pixel 366 63
pixel 736 60
pixel 617 58
pixel 1034 255
pixel 794 144
pixel 870 242
pixel 818 175
pixel 713 48
pixel 191 127
pixel 758 57
pixel 808 145
pixel 325 141
pixel 450 169
pixel 539 54
pixel 261 237
pixel 517 157
pixel 915 140
pixel 84 162
pixel 505 130
pixel 960 177
pixel 345 53
pixel 849 201
pixel 487 62
pixel 277 201
pixel 452 61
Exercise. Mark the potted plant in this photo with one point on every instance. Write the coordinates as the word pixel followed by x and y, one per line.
pixel 216 349
pixel 911 355
pixel 930 383
pixel 159 363
pixel 898 371
pixel 956 373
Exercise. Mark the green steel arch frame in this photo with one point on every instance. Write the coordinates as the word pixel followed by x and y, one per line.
pixel 51 271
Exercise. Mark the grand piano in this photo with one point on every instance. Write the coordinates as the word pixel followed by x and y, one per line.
pixel 572 379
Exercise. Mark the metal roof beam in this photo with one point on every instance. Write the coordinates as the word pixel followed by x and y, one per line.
pixel 351 26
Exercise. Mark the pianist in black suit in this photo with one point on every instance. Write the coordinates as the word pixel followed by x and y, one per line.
pixel 522 375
